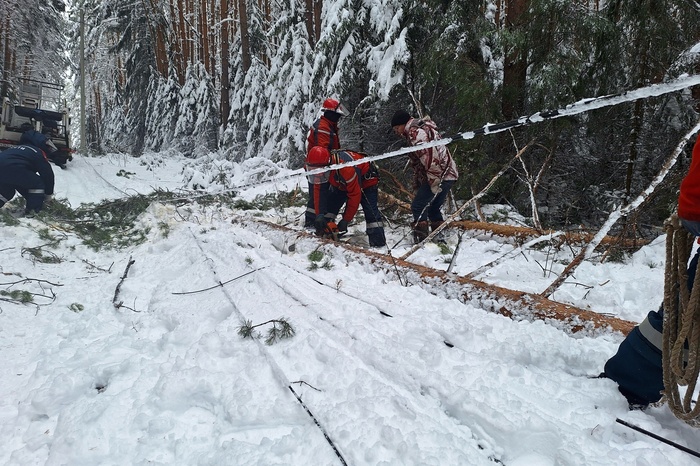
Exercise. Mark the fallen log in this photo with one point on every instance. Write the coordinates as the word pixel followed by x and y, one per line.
pixel 517 305
pixel 522 234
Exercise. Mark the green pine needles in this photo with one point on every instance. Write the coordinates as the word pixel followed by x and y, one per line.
pixel 280 329
pixel 315 257
pixel 19 296
pixel 113 223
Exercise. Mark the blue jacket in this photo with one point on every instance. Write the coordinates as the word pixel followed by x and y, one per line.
pixel 636 367
pixel 25 158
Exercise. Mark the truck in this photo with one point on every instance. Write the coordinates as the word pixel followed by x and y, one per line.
pixel 37 105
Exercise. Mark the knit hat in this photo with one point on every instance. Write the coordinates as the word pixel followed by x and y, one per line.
pixel 401 117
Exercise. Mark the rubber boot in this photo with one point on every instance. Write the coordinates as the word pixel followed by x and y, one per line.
pixel 420 231
pixel 440 237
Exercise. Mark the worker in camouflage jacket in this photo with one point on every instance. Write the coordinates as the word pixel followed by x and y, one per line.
pixel 25 169
pixel 434 172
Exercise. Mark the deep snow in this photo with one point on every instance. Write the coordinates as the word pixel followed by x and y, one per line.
pixel 167 379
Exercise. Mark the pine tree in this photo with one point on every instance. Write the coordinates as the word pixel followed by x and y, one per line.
pixel 197 124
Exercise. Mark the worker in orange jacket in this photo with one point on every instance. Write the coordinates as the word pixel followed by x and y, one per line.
pixel 324 132
pixel 351 186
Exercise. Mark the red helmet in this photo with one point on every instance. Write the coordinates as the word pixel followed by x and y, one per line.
pixel 318 156
pixel 333 105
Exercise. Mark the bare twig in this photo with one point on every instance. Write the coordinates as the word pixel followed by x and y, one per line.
pixel 307 384
pixel 454 255
pixel 117 304
pixel 220 283
pixel 132 309
pixel 13 301
pixel 98 268
pixel 27 280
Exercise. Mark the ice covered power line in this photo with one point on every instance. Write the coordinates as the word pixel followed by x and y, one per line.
pixel 584 105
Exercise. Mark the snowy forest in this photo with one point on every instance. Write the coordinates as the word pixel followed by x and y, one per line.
pixel 245 78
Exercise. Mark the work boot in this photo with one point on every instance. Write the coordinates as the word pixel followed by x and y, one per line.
pixel 376 237
pixel 440 237
pixel 309 221
pixel 420 231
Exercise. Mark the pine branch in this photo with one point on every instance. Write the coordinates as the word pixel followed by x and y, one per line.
pixel 280 329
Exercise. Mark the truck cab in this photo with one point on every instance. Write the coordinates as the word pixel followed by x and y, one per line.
pixel 37 105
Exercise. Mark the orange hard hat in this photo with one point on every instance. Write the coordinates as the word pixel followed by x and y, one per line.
pixel 334 105
pixel 318 156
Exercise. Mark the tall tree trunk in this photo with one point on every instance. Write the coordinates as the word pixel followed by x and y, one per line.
pixel 175 49
pixel 515 64
pixel 642 45
pixel 245 40
pixel 264 9
pixel 204 37
pixel 156 24
pixel 497 14
pixel 225 107
pixel 212 39
pixel 309 20
pixel 184 40
pixel 7 67
pixel 318 9
pixel 695 91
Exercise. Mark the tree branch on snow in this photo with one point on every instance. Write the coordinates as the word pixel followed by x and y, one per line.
pixel 38 255
pixel 27 280
pixel 115 301
pixel 220 283
pixel 300 382
pixel 280 329
pixel 98 268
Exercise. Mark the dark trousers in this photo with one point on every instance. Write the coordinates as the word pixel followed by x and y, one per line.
pixel 369 202
pixel 637 365
pixel 310 214
pixel 426 205
pixel 27 183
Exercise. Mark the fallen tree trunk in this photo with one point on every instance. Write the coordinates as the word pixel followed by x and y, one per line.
pixel 517 305
pixel 526 233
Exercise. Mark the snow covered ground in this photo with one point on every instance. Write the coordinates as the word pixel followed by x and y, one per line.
pixel 167 379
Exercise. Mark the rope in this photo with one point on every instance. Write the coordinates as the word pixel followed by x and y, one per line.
pixel 681 327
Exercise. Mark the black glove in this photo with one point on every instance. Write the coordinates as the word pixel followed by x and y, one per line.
pixel 320 224
pixel 342 226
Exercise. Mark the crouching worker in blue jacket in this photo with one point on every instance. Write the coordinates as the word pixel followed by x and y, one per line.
pixel 25 169
pixel 637 366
